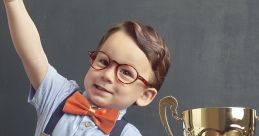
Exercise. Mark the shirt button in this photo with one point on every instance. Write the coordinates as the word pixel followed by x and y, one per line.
pixel 88 124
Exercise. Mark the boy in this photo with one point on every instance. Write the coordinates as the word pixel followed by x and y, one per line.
pixel 127 68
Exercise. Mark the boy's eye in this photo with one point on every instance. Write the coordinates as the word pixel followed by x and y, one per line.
pixel 103 62
pixel 126 72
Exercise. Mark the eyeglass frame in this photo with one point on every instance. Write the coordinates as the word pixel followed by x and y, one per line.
pixel 91 60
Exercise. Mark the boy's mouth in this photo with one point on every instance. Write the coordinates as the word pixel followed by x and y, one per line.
pixel 101 88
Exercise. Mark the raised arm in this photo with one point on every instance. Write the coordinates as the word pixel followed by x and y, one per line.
pixel 26 41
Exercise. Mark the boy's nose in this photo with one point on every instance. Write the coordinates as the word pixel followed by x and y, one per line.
pixel 109 73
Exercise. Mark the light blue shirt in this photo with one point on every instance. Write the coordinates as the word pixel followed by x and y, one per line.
pixel 53 89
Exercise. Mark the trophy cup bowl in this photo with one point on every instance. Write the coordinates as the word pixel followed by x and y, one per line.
pixel 211 121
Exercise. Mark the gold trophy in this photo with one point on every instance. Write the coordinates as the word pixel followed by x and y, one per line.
pixel 212 121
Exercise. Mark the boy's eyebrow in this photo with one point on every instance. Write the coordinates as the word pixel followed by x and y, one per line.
pixel 138 67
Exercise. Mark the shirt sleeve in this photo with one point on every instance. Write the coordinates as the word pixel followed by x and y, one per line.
pixel 130 130
pixel 53 89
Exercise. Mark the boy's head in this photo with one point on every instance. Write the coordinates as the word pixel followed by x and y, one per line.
pixel 130 67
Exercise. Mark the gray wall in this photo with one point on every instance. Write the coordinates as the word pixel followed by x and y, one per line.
pixel 214 44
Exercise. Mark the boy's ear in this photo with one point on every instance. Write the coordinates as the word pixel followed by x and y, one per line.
pixel 147 97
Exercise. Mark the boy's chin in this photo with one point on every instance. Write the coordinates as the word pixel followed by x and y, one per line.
pixel 102 104
pixel 99 102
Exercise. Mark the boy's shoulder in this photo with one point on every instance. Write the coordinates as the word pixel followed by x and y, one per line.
pixel 130 130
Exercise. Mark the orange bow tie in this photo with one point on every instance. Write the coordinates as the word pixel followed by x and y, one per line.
pixel 105 119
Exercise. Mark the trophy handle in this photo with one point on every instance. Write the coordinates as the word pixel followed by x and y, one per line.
pixel 257 117
pixel 163 103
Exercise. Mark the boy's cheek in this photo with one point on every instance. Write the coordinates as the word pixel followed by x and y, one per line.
pixel 87 79
pixel 88 74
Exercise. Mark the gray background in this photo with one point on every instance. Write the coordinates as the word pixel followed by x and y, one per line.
pixel 214 43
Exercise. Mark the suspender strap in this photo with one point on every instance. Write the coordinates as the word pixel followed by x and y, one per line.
pixel 119 126
pixel 55 117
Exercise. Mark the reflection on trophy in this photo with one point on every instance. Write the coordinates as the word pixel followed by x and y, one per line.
pixel 213 121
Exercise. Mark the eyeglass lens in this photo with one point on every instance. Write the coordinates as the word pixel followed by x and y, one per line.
pixel 125 73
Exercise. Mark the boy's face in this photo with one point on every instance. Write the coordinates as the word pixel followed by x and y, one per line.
pixel 103 87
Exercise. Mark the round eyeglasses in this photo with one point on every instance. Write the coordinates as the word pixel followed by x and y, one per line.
pixel 126 74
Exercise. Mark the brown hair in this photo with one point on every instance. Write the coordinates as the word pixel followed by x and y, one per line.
pixel 151 43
